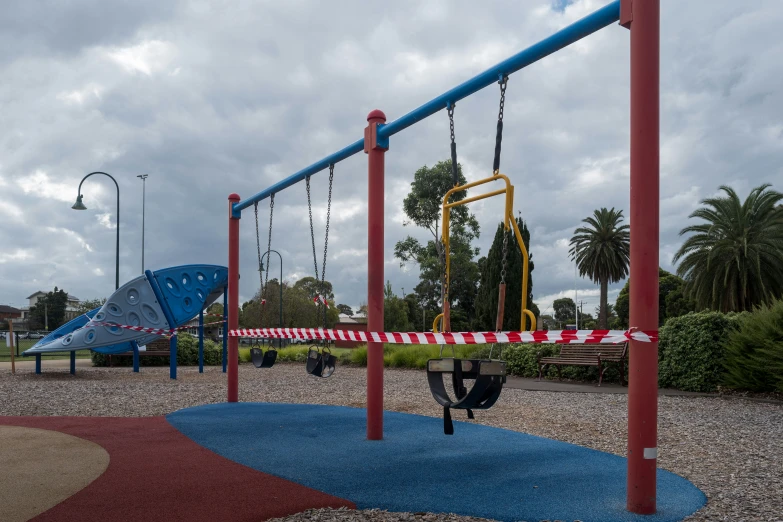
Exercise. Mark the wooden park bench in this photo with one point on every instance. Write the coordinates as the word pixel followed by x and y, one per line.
pixel 586 355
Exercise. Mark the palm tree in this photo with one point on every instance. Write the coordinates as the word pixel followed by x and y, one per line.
pixel 602 252
pixel 734 261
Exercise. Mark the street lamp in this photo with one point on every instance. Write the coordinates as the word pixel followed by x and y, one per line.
pixel 143 178
pixel 280 283
pixel 79 205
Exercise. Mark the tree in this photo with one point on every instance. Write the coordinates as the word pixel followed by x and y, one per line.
pixel 345 309
pixel 395 314
pixel 602 252
pixel 312 287
pixel 671 300
pixel 49 309
pixel 734 261
pixel 91 304
pixel 490 268
pixel 564 309
pixel 299 310
pixel 422 207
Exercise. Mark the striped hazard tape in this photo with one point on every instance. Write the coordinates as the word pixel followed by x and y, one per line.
pixel 551 336
pixel 156 331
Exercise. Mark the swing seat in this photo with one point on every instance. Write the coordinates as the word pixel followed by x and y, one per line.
pixel 489 375
pixel 320 363
pixel 261 359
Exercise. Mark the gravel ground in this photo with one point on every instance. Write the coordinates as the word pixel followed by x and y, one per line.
pixel 730 448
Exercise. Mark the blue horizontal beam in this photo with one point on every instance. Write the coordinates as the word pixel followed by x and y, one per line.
pixel 563 38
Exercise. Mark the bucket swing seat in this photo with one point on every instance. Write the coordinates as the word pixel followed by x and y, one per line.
pixel 320 363
pixel 260 358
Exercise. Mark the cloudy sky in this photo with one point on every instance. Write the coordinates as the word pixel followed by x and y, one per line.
pixel 210 98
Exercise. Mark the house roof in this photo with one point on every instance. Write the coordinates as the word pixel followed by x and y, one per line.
pixel 39 292
pixel 5 309
pixel 347 319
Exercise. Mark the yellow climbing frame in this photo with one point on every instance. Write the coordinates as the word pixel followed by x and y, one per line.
pixel 508 223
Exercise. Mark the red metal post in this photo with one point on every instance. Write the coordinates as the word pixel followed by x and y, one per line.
pixel 375 259
pixel 643 17
pixel 233 300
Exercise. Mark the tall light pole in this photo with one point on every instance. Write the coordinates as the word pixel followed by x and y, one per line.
pixel 143 209
pixel 80 206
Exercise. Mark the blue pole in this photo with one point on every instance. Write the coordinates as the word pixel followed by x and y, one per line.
pixel 38 363
pixel 201 341
pixel 135 347
pixel 563 38
pixel 169 318
pixel 225 328
pixel 73 363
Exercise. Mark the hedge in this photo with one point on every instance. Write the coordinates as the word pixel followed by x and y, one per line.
pixel 690 350
pixel 753 358
pixel 187 355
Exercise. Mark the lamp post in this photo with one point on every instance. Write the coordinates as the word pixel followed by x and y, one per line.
pixel 143 178
pixel 279 284
pixel 80 206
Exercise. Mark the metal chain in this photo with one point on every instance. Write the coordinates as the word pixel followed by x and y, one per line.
pixel 312 232
pixel 320 282
pixel 262 290
pixel 445 284
pixel 269 241
pixel 505 254
pixel 454 171
pixel 499 136
pixel 328 215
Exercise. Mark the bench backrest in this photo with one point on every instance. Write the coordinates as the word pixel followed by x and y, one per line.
pixel 608 352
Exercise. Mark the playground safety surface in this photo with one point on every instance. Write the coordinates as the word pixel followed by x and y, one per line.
pixel 253 461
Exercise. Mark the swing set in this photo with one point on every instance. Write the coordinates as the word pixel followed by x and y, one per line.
pixel 320 361
pixel 641 17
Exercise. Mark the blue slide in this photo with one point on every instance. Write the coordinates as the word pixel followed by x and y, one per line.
pixel 160 300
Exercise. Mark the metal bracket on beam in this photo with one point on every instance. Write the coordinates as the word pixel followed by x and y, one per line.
pixel 626 13
pixel 371 139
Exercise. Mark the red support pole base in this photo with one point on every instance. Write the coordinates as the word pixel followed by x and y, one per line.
pixel 375 227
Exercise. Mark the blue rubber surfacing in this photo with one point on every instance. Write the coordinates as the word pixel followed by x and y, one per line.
pixel 479 471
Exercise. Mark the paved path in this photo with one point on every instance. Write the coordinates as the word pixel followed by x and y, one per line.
pixel 523 383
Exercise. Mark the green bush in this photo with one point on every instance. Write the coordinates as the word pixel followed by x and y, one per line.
pixel 690 350
pixel 187 355
pixel 753 357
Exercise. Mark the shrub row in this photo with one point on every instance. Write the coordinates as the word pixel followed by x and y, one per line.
pixel 187 355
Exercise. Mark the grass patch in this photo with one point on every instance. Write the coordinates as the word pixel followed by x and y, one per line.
pixel 292 353
pixel 414 355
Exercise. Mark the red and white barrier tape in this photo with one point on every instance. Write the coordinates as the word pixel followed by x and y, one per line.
pixel 551 336
pixel 156 331
pixel 322 299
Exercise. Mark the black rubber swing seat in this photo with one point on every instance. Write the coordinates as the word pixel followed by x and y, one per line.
pixel 263 359
pixel 489 375
pixel 320 363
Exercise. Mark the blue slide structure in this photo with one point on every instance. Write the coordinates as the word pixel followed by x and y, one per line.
pixel 162 300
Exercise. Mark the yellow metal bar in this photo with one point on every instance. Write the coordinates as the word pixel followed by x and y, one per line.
pixel 525 263
pixel 475 198
pixel 435 323
pixel 508 223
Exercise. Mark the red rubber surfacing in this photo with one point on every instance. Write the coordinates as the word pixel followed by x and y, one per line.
pixel 156 473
